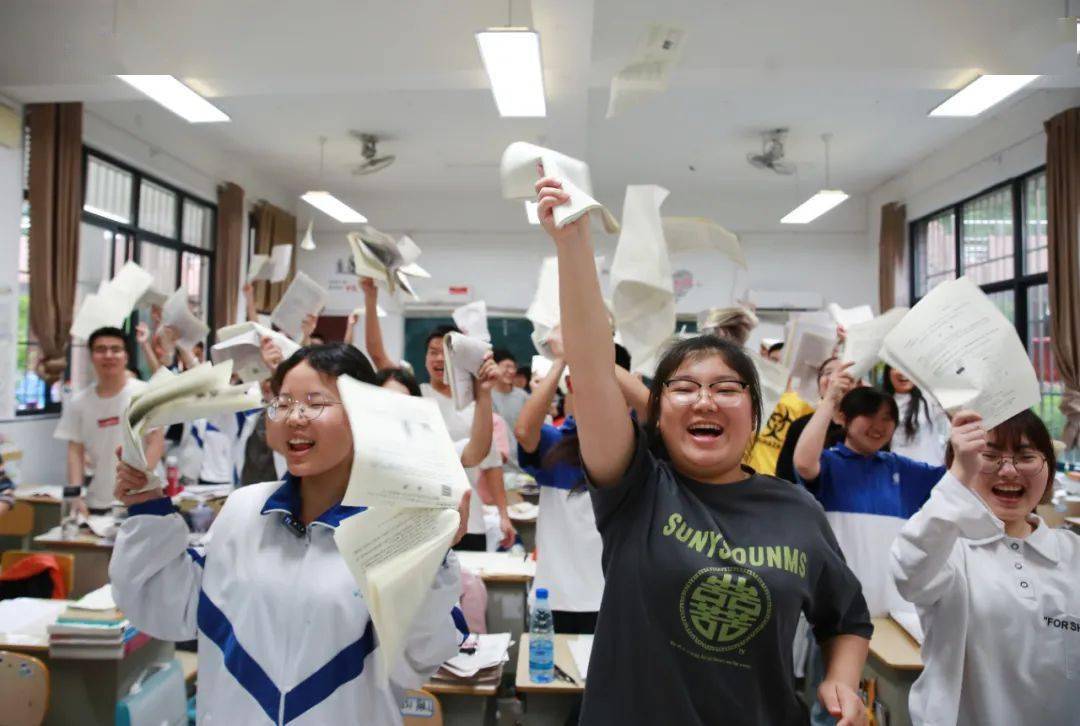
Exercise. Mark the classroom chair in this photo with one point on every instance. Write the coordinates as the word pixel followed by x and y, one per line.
pixel 420 708
pixel 24 689
pixel 66 562
pixel 19 522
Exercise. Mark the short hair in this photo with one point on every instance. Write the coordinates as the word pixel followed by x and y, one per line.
pixel 107 331
pixel 867 401
pixel 501 354
pixel 439 331
pixel 401 376
pixel 332 359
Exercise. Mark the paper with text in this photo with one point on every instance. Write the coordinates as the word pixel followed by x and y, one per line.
pixel 241 343
pixel 303 297
pixel 464 356
pixel 647 73
pixel 862 343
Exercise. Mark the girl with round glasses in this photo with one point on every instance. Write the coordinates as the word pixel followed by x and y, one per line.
pixel 707 565
pixel 996 588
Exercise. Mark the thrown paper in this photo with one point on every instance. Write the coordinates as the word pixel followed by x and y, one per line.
pixel 773 378
pixel 519 173
pixel 273 267
pixel 303 297
pixel 379 256
pixel 956 345
pixel 862 341
pixel 472 320
pixel 111 305
pixel 464 357
pixel 647 72
pixel 177 314
pixel 850 316
pixel 700 234
pixel 242 344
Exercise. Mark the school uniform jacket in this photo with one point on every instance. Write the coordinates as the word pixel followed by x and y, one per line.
pixel 284 634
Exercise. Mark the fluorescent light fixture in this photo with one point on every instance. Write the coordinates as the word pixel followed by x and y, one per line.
pixel 981 94
pixel 329 204
pixel 178 98
pixel 814 207
pixel 512 59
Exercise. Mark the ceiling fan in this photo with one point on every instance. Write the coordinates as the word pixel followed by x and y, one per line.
pixel 372 161
pixel 772 153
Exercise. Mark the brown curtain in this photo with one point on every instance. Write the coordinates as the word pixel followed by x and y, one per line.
pixel 55 181
pixel 890 252
pixel 1063 214
pixel 274 226
pixel 230 246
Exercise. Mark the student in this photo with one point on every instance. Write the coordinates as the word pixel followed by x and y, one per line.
pixel 868 494
pixel 769 442
pixel 924 425
pixel 283 632
pixel 997 588
pixel 90 421
pixel 373 341
pixel 785 464
pixel 522 377
pixel 506 398
pixel 700 608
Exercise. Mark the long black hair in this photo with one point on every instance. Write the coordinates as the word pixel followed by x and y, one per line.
pixel 701 346
pixel 909 417
pixel 331 359
pixel 400 375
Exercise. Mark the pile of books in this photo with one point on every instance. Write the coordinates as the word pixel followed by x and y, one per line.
pixel 480 661
pixel 93 629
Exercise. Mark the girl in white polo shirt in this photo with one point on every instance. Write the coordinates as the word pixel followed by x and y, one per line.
pixel 997 589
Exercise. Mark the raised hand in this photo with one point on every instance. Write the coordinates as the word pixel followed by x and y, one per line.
pixel 368 286
pixel 840 382
pixel 968 440
pixel 488 374
pixel 142 333
pixel 130 480
pixel 550 194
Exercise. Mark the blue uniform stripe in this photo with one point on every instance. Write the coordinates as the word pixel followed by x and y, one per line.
pixel 198 439
pixel 249 674
pixel 320 685
pixel 459 622
pixel 198 557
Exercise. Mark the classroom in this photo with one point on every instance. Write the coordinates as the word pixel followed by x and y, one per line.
pixel 540 362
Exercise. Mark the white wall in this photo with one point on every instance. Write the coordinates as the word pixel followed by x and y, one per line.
pixel 1008 143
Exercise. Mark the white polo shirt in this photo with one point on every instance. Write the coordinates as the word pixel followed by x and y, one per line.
pixel 1001 615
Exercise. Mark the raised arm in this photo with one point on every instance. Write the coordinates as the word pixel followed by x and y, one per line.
pixel 480 434
pixel 807 457
pixel 634 391
pixel 372 331
pixel 533 413
pixel 142 336
pixel 249 303
pixel 605 431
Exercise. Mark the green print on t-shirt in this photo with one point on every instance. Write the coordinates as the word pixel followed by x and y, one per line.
pixel 722 608
pixel 712 544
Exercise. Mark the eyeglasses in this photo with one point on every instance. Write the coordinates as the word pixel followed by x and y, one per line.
pixel 310 409
pixel 108 350
pixel 1028 464
pixel 687 392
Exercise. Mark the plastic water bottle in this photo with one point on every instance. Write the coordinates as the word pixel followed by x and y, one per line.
pixel 541 640
pixel 69 513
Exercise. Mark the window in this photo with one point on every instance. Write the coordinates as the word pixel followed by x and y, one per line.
pixel 128 215
pixel 999 239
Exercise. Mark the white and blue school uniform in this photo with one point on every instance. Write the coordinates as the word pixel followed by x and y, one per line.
pixel 284 634
pixel 212 449
pixel 567 542
pixel 867 499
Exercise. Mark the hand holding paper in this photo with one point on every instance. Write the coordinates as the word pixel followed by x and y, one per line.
pixel 472 319
pixel 862 341
pixel 242 344
pixel 303 297
pixel 464 357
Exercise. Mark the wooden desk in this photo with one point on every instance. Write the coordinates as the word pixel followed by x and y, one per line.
pixel 508 593
pixel 464 704
pixel 85 692
pixel 46 506
pixel 895 662
pixel 92 555
pixel 548 704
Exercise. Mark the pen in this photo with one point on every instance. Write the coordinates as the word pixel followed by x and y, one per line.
pixel 563 675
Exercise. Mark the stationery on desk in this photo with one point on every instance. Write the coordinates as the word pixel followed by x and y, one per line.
pixel 497 564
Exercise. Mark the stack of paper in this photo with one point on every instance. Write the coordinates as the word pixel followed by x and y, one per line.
pixel 170 398
pixel 581 650
pixel 464 357
pixel 958 347
pixel 489 652
pixel 647 72
pixel 111 305
pixel 303 297
pixel 409 475
pixel 862 342
pixel 472 320
pixel 242 344
pixel 379 256
pixel 519 172
pixel 273 267
pixel 177 314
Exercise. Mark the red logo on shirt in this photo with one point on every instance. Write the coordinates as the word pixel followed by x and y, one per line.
pixel 104 423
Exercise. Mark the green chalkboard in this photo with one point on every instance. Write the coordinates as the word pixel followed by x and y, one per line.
pixel 511 333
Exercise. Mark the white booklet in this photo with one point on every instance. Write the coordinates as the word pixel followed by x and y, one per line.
pixel 409 475
pixel 647 72
pixel 113 302
pixel 519 174
pixel 273 267
pixel 850 316
pixel 862 343
pixel 242 344
pixel 303 297
pixel 177 314
pixel 471 318
pixel 958 347
pixel 464 356
pixel 379 256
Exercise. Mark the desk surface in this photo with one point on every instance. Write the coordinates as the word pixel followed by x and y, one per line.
pixel 496 567
pixel 462 689
pixel 25 621
pixel 894 647
pixel 83 540
pixel 563 659
pixel 39 493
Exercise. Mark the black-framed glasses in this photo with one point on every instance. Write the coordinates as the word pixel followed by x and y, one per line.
pixel 687 391
pixel 309 409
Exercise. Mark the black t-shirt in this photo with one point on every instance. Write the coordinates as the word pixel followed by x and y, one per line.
pixel 704 584
pixel 785 463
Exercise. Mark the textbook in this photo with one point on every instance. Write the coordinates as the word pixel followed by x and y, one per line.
pixel 862 342
pixel 242 344
pixel 464 357
pixel 379 256
pixel 303 297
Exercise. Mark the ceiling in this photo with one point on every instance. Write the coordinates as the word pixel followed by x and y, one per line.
pixel 289 72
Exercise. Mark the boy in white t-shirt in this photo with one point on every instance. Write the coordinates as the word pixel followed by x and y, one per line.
pixel 90 421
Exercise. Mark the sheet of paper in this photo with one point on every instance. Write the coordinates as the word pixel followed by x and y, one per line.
pixel 813 349
pixel 303 297
pixel 241 343
pixel 519 174
pixel 379 256
pixel 497 563
pixel 862 344
pixel 491 650
pixel 464 357
pixel 258 267
pixel 580 649
pixel 543 311
pixel 699 234
pixel 26 619
pixel 773 378
pixel 99 599
pixel 909 621
pixel 956 345
pixel 404 455
pixel 393 554
pixel 280 262
pixel 643 293
pixel 177 314
pixel 850 316
pixel 472 319
pixel 647 72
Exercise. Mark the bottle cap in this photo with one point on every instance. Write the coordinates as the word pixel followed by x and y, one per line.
pixel 541 592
